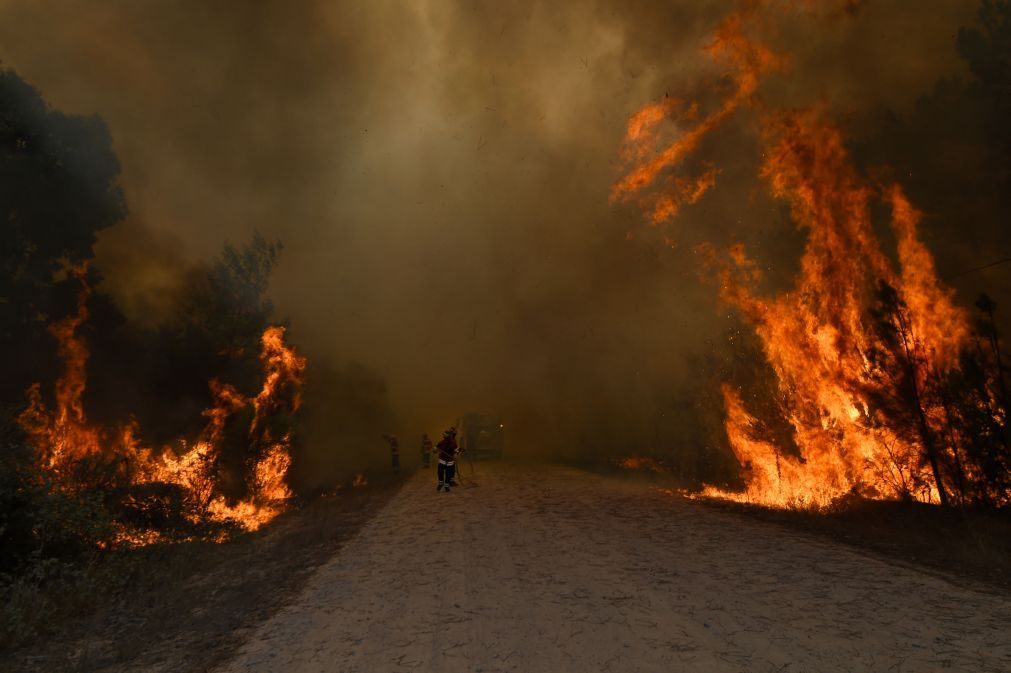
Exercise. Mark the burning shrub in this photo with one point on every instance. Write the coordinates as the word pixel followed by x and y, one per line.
pixel 246 436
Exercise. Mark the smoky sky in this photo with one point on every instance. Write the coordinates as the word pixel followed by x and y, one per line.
pixel 439 171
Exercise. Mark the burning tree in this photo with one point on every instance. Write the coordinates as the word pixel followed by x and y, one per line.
pixel 864 348
pixel 902 390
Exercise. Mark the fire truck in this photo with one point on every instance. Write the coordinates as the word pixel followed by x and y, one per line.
pixel 481 437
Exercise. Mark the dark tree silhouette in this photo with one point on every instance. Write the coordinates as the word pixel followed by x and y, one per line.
pixel 986 49
pixel 57 191
pixel 976 397
pixel 903 392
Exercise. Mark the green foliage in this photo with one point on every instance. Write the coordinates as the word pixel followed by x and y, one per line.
pixel 39 520
pixel 226 303
pixel 57 186
pixel 28 598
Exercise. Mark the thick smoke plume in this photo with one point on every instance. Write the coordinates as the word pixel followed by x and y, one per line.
pixel 439 174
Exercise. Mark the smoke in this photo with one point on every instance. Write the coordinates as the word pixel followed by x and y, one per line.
pixel 439 172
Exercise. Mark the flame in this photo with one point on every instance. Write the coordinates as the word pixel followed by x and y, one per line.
pixel 66 434
pixel 817 336
pixel 747 61
pixel 936 318
pixel 63 436
pixel 284 370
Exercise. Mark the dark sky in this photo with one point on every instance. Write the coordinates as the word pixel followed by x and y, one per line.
pixel 439 171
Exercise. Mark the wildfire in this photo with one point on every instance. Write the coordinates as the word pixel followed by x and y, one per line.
pixel 65 435
pixel 820 337
pixel 748 62
pixel 69 446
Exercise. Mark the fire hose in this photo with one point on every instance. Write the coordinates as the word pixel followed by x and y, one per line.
pixel 470 482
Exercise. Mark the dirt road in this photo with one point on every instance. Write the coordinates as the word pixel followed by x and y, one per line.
pixel 559 570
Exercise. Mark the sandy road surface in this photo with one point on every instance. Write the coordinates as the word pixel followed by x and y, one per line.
pixel 559 570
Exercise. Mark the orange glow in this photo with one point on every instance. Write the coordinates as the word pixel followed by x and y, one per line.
pixel 746 62
pixel 63 436
pixel 642 463
pixel 818 336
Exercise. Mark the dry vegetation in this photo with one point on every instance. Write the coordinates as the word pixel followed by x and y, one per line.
pixel 185 606
pixel 977 544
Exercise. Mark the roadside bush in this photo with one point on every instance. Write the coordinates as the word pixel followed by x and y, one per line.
pixel 39 521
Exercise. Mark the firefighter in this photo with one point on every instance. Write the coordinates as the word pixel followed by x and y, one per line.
pixel 394 451
pixel 426 450
pixel 447 460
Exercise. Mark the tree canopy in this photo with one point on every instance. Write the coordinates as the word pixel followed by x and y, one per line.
pixel 58 189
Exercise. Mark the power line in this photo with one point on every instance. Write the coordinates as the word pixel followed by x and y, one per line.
pixel 1004 260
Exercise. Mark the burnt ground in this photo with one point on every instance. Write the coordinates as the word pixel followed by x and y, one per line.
pixel 188 606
